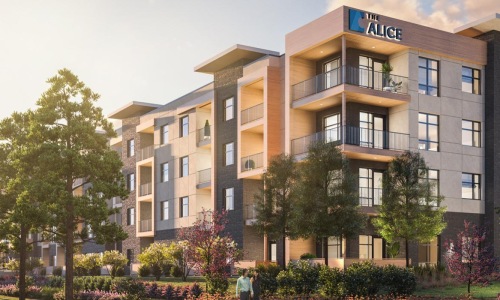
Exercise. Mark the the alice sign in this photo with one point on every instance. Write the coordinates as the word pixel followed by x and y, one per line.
pixel 368 23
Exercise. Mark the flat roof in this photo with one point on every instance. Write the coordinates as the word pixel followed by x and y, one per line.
pixel 132 109
pixel 488 23
pixel 230 56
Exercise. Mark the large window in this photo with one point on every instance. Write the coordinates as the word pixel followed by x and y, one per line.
pixel 370 187
pixel 130 148
pixel 131 216
pixel 332 128
pixel 164 172
pixel 336 247
pixel 184 166
pixel 131 182
pixel 184 122
pixel 371 247
pixel 184 207
pixel 331 70
pixel 229 109
pixel 471 133
pixel 432 176
pixel 471 186
pixel 428 252
pixel 229 196
pixel 229 154
pixel 471 80
pixel 428 73
pixel 164 210
pixel 428 132
pixel 164 134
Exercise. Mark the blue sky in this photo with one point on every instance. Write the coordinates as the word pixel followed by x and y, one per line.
pixel 131 50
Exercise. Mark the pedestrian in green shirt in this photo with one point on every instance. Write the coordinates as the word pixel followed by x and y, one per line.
pixel 243 286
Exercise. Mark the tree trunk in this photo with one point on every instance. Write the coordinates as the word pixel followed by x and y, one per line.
pixel 407 254
pixel 69 252
pixel 284 252
pixel 22 262
pixel 325 250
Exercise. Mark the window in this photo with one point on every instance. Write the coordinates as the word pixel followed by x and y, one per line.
pixel 428 72
pixel 370 187
pixel 332 128
pixel 164 172
pixel 131 216
pixel 229 109
pixel 130 256
pixel 332 72
pixel 184 126
pixel 184 207
pixel 131 182
pixel 229 196
pixel 184 166
pixel 272 251
pixel 365 247
pixel 164 134
pixel 229 151
pixel 471 133
pixel 432 176
pixel 471 186
pixel 428 252
pixel 471 80
pixel 130 148
pixel 164 210
pixel 335 247
pixel 428 132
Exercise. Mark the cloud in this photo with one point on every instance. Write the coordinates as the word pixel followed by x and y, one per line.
pixel 441 14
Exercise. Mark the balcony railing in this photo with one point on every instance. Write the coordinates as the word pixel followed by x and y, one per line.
pixel 204 176
pixel 253 113
pixel 146 189
pixel 369 196
pixel 204 134
pixel 363 137
pixel 146 152
pixel 358 76
pixel 251 162
pixel 145 225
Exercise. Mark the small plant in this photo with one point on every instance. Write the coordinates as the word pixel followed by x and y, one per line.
pixel 307 256
pixel 388 80
pixel 114 262
pixel 144 271
pixel 57 271
pixel 331 282
pixel 363 279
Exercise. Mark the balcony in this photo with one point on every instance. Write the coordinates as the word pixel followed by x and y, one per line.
pixel 203 136
pixel 204 178
pixel 250 214
pixel 389 84
pixel 146 189
pixel 254 161
pixel 145 225
pixel 379 140
pixel 369 196
pixel 146 152
pixel 253 113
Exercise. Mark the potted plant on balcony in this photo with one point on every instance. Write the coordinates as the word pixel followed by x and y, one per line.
pixel 390 85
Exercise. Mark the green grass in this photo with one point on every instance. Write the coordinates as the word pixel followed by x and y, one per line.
pixel 490 291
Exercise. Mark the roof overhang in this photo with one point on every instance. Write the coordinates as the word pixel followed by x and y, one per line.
pixel 478 27
pixel 231 56
pixel 133 109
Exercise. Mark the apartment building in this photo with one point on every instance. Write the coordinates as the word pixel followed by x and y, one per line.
pixel 376 85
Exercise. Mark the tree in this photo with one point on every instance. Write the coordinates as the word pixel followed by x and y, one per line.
pixel 410 209
pixel 73 135
pixel 329 203
pixel 275 204
pixel 211 251
pixel 156 256
pixel 114 261
pixel 88 264
pixel 469 258
pixel 178 251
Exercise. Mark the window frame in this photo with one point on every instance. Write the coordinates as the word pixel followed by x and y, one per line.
pixel 473 79
pixel 184 205
pixel 130 148
pixel 164 134
pixel 428 68
pixel 131 216
pixel 164 172
pixel 475 185
pixel 184 172
pixel 427 142
pixel 229 154
pixel 475 129
pixel 131 182
pixel 184 127
pixel 164 210
pixel 228 108
pixel 229 197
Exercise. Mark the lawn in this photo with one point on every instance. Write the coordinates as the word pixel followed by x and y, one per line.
pixel 490 291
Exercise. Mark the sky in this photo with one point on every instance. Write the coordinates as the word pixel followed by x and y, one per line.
pixel 146 50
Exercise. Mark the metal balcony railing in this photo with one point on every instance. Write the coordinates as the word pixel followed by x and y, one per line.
pixel 351 135
pixel 146 189
pixel 252 113
pixel 369 196
pixel 204 134
pixel 146 152
pixel 251 162
pixel 204 176
pixel 358 76
pixel 145 225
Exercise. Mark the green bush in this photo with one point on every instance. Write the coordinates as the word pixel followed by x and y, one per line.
pixel 399 281
pixel 133 288
pixel 48 292
pixel 87 264
pixel 307 256
pixel 117 271
pixel 331 282
pixel 92 283
pixel 114 262
pixel 363 279
pixel 301 278
pixel 55 281
pixel 57 271
pixel 167 269
pixel 268 274
pixel 175 271
pixel 43 271
pixel 143 271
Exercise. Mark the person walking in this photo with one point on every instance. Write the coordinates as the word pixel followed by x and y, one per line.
pixel 244 286
pixel 256 285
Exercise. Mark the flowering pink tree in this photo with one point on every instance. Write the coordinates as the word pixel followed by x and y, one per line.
pixel 212 251
pixel 469 259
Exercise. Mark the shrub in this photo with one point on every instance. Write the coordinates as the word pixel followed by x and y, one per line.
pixel 301 278
pixel 114 261
pixel 307 256
pixel 144 271
pixel 399 281
pixel 43 271
pixel 175 271
pixel 331 282
pixel 55 281
pixel 133 289
pixel 87 264
pixel 57 271
pixel 47 293
pixel 156 256
pixel 363 279
pixel 31 265
pixel 90 283
pixel 167 269
pixel 117 271
pixel 217 284
pixel 268 274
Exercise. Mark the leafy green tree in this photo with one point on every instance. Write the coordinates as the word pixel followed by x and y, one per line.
pixel 275 204
pixel 328 205
pixel 156 256
pixel 87 264
pixel 410 210
pixel 114 261
pixel 73 134
pixel 179 254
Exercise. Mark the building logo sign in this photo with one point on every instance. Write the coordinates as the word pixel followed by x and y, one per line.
pixel 369 24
